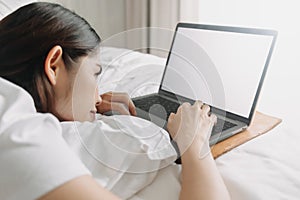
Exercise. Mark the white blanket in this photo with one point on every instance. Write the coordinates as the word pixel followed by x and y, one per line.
pixel 264 168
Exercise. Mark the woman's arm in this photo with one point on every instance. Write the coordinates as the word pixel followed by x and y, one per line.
pixel 81 188
pixel 201 179
pixel 190 127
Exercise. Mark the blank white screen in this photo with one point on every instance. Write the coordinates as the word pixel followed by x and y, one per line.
pixel 201 56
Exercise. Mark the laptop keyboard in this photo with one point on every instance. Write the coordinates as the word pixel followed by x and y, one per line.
pixel 147 103
pixel 169 106
pixel 222 125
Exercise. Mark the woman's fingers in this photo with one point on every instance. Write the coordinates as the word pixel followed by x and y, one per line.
pixel 116 99
pixel 170 119
pixel 206 109
pixel 107 106
pixel 171 116
pixel 120 108
pixel 198 104
pixel 125 99
pixel 132 108
pixel 213 118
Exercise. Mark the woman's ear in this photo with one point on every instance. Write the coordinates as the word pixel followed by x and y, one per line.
pixel 54 63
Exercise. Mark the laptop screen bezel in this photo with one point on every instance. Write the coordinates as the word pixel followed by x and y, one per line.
pixel 256 31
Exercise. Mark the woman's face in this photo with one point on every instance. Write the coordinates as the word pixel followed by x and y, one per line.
pixel 81 92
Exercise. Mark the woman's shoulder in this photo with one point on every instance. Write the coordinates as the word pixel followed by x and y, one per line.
pixel 33 154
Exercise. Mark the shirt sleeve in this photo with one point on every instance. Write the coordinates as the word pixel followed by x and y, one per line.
pixel 34 158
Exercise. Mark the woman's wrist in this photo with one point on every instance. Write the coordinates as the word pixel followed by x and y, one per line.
pixel 196 150
pixel 191 157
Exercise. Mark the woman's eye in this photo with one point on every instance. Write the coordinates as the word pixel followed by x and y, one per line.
pixel 98 73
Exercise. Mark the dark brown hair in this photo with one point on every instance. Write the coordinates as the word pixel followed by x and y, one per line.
pixel 26 37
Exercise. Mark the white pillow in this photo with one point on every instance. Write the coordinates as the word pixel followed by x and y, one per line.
pixel 130 71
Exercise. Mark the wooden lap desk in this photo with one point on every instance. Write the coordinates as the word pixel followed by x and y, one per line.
pixel 261 124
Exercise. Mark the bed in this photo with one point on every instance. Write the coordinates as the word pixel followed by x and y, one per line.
pixel 263 168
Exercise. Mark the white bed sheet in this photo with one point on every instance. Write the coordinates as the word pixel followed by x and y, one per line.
pixel 264 168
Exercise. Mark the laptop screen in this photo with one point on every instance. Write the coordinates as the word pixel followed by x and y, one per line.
pixel 221 68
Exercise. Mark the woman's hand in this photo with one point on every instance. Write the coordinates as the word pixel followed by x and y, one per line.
pixel 191 127
pixel 118 102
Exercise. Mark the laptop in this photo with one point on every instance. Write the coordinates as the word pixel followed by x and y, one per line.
pixel 222 66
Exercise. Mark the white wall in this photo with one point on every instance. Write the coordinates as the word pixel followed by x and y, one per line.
pixel 111 17
pixel 7 6
pixel 106 16
pixel 281 93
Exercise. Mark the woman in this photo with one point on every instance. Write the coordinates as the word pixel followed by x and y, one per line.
pixel 54 55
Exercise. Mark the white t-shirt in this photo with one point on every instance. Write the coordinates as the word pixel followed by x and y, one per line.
pixel 125 154
pixel 34 158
